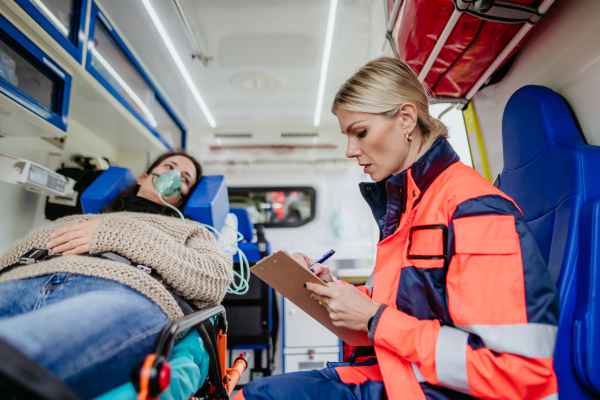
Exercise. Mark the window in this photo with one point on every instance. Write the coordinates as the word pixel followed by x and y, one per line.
pixel 453 119
pixel 114 66
pixel 276 207
pixel 31 78
pixel 64 20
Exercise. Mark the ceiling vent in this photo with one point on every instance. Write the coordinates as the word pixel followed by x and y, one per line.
pixel 234 135
pixel 299 135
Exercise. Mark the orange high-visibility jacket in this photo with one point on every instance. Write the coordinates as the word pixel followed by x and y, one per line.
pixel 470 304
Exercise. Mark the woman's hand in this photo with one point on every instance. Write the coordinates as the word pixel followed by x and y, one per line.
pixel 347 306
pixel 73 238
pixel 322 271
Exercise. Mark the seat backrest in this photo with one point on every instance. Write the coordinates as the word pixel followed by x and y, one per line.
pixel 209 204
pixel 551 173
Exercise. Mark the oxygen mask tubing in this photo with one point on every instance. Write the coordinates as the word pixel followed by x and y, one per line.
pixel 168 184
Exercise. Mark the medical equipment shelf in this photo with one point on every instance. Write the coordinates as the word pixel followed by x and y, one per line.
pixel 456 46
pixel 90 102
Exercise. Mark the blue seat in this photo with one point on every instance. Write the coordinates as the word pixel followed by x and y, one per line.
pixel 553 176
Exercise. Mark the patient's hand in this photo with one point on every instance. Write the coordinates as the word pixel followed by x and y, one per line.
pixel 73 238
pixel 322 271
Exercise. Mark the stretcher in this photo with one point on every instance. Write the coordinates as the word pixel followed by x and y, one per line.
pixel 195 366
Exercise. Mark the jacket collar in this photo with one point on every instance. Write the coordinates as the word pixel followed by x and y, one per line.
pixel 387 198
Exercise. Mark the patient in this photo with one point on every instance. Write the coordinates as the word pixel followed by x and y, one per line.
pixel 90 320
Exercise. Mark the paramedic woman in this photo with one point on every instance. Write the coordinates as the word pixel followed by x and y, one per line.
pixel 460 303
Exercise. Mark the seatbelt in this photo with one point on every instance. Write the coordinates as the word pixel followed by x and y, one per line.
pixel 109 255
pixel 22 378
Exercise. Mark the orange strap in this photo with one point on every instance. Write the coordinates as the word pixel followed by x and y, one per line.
pixel 145 377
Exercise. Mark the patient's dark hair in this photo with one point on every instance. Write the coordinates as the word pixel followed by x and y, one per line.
pixel 120 202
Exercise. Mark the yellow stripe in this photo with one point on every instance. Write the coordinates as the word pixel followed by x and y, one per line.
pixel 474 132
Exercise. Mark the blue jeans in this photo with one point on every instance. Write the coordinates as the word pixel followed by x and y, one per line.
pixel 89 332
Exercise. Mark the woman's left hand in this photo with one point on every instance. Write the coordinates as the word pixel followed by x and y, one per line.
pixel 73 238
pixel 347 306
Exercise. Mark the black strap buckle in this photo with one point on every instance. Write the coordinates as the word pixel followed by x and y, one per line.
pixel 444 256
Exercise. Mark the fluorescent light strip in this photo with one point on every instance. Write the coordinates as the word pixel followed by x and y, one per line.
pixel 325 63
pixel 125 86
pixel 51 17
pixel 184 72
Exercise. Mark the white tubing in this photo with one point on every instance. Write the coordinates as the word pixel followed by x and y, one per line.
pixel 509 47
pixel 440 43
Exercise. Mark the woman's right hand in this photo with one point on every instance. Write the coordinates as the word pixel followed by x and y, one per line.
pixel 322 271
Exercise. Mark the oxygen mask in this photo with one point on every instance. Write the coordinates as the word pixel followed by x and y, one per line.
pixel 168 184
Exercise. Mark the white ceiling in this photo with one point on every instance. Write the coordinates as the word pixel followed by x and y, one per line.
pixel 282 38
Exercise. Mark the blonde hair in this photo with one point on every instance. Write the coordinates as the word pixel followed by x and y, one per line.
pixel 381 87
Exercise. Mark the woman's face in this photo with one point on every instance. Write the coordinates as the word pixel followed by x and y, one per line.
pixel 188 179
pixel 377 142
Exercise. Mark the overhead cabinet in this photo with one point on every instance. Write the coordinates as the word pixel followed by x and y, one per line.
pixel 63 20
pixel 114 66
pixel 31 78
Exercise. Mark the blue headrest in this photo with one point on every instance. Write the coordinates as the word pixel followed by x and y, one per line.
pixel 245 225
pixel 534 118
pixel 209 204
pixel 105 188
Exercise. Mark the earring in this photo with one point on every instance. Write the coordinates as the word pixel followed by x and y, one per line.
pixel 408 137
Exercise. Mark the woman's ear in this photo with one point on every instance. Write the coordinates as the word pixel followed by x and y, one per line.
pixel 408 117
pixel 141 178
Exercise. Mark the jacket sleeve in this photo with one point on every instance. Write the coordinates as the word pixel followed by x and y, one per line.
pixel 503 306
pixel 187 259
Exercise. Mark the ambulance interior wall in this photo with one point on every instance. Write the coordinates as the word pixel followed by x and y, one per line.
pixel 564 55
pixel 23 211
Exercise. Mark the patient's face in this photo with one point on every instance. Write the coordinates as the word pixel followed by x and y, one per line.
pixel 188 179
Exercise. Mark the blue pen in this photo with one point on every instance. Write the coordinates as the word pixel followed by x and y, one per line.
pixel 323 259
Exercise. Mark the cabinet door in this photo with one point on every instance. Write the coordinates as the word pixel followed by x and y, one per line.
pixel 302 330
pixel 303 362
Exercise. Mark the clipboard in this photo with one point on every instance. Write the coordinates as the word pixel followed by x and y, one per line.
pixel 285 274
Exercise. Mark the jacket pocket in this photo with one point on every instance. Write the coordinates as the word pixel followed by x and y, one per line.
pixel 489 234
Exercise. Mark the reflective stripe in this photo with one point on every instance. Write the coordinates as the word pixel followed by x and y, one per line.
pixel 418 373
pixel 551 397
pixel 451 359
pixel 528 340
pixel 369 284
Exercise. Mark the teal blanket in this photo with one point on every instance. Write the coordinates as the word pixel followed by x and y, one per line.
pixel 189 368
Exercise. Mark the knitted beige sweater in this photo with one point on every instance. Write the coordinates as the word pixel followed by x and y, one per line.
pixel 184 256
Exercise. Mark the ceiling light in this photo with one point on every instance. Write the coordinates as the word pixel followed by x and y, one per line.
pixel 184 72
pixel 325 62
pixel 125 86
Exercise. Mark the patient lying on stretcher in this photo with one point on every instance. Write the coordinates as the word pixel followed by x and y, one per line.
pixel 90 320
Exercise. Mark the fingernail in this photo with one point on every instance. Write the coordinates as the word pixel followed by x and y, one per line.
pixel 53 234
pixel 325 281
pixel 49 245
pixel 304 285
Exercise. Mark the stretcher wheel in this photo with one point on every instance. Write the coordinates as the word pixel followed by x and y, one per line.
pixel 151 377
